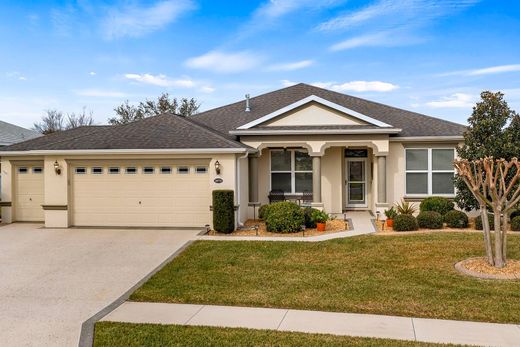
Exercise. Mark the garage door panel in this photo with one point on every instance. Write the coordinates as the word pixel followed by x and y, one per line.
pixel 28 195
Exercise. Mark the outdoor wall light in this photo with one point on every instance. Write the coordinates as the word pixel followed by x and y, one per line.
pixel 57 168
pixel 217 167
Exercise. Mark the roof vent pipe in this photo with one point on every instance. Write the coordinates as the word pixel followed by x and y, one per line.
pixel 247 103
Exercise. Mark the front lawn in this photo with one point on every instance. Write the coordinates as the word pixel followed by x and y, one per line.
pixel 110 334
pixel 410 275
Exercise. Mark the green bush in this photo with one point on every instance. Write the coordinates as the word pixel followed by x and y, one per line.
pixel 515 223
pixel 320 216
pixel 478 222
pixel 307 213
pixel 438 204
pixel 284 217
pixel 514 214
pixel 456 219
pixel 263 211
pixel 405 222
pixel 223 211
pixel 430 220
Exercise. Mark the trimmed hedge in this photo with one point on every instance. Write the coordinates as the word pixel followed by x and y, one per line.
pixel 263 211
pixel 438 204
pixel 284 217
pixel 223 211
pixel 456 219
pixel 515 223
pixel 478 222
pixel 309 221
pixel 430 220
pixel 514 214
pixel 405 222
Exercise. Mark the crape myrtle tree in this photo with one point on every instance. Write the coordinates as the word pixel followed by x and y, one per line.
pixel 54 121
pixel 127 113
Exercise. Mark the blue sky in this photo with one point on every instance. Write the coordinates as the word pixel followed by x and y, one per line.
pixel 428 56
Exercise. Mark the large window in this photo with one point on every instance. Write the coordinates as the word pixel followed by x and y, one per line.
pixel 429 171
pixel 291 170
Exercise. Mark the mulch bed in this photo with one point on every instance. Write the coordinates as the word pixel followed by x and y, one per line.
pixel 333 226
pixel 479 267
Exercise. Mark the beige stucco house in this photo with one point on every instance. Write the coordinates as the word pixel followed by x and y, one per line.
pixel 349 153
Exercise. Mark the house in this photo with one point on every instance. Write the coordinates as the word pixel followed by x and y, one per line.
pixel 349 152
pixel 10 133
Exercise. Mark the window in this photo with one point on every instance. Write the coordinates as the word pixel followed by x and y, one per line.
pixel 429 171
pixel 291 171
pixel 96 170
pixel 113 170
pixel 37 170
pixel 132 170
pixel 166 170
pixel 148 170
pixel 183 170
pixel 356 153
pixel 201 169
pixel 80 170
pixel 23 170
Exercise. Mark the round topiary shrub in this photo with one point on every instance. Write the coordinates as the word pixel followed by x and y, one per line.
pixel 515 223
pixel 223 211
pixel 456 219
pixel 309 221
pixel 405 222
pixel 430 220
pixel 284 217
pixel 438 204
pixel 478 222
pixel 263 211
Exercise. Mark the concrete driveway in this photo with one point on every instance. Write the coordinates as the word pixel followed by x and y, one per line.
pixel 52 280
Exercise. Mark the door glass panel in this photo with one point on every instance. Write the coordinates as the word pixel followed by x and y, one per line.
pixel 356 193
pixel 356 171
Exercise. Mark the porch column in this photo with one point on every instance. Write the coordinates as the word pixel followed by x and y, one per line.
pixel 381 179
pixel 253 179
pixel 316 180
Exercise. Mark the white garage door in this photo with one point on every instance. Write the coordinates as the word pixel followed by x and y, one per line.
pixel 146 194
pixel 28 193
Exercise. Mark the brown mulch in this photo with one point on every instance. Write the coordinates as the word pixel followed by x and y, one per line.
pixel 479 267
pixel 333 226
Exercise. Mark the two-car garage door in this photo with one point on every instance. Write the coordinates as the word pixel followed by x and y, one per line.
pixel 140 193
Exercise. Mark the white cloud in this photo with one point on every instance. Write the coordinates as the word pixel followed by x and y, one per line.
pixel 167 82
pixel 224 62
pixel 207 89
pixel 135 21
pixel 457 100
pixel 101 93
pixel 358 86
pixel 291 66
pixel 287 83
pixel 16 75
pixel 278 8
pixel 484 71
pixel 92 73
pixel 362 41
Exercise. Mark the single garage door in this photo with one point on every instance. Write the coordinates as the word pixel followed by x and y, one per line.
pixel 28 193
pixel 140 193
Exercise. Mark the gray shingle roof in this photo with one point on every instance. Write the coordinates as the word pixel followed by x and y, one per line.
pixel 10 133
pixel 160 132
pixel 230 117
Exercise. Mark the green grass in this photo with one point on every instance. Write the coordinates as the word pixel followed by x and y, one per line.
pixel 410 275
pixel 110 334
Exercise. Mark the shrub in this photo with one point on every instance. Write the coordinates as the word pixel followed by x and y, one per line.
pixel 319 216
pixel 405 207
pixel 438 204
pixel 223 211
pixel 405 222
pixel 391 213
pixel 514 214
pixel 263 211
pixel 284 217
pixel 429 220
pixel 478 222
pixel 515 223
pixel 307 213
pixel 456 219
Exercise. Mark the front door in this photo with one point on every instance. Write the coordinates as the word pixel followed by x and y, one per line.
pixel 356 182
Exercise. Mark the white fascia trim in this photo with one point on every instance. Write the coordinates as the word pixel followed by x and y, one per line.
pixel 127 151
pixel 317 132
pixel 320 101
pixel 427 139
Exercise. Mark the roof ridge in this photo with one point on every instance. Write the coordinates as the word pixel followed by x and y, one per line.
pixel 61 132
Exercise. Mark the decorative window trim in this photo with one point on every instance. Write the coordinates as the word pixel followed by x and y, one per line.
pixel 114 170
pixel 430 171
pixel 131 170
pixel 81 170
pixel 201 170
pixel 148 170
pixel 293 170
pixel 23 170
pixel 183 170
pixel 37 170
pixel 166 170
pixel 96 170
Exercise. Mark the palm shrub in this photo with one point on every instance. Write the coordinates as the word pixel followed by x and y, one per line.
pixel 515 223
pixel 430 220
pixel 405 222
pixel 456 219
pixel 284 217
pixel 391 213
pixel 438 204
pixel 405 207
pixel 223 211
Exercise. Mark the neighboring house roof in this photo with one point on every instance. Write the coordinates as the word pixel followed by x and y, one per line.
pixel 166 131
pixel 231 117
pixel 10 133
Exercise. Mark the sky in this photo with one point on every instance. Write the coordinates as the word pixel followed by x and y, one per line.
pixel 427 56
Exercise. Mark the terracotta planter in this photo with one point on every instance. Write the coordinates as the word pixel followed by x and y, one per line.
pixel 321 226
pixel 390 223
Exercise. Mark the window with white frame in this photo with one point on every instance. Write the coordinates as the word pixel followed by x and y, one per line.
pixel 429 171
pixel 291 170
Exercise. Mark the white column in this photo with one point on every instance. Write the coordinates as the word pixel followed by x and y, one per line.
pixel 253 179
pixel 381 180
pixel 316 180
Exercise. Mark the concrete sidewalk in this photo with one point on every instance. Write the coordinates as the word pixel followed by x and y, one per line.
pixel 352 324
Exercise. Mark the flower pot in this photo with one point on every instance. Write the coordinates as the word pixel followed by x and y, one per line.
pixel 390 223
pixel 321 226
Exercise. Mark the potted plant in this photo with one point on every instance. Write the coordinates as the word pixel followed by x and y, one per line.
pixel 320 218
pixel 390 215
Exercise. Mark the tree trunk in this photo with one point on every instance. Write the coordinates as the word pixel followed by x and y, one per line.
pixel 487 234
pixel 499 251
pixel 505 223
